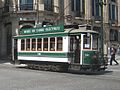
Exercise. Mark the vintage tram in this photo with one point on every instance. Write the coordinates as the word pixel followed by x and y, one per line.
pixel 59 48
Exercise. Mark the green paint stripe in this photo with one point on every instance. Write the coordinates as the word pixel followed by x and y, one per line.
pixel 41 54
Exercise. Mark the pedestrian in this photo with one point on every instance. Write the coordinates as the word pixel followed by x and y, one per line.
pixel 113 52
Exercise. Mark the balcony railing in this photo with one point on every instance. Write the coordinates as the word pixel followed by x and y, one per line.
pixel 26 6
pixel 78 14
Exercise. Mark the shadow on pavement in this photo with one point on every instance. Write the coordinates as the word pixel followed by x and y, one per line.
pixel 73 71
pixel 6 60
pixel 91 72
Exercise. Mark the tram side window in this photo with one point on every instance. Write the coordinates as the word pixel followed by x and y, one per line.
pixel 59 43
pixel 28 44
pixel 52 44
pixel 86 42
pixel 22 45
pixel 33 45
pixel 45 44
pixel 39 44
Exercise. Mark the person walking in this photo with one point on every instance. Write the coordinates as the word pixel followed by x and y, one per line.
pixel 113 52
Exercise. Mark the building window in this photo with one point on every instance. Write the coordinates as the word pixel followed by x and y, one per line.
pixel 113 0
pixel 26 4
pixel 48 5
pixel 113 35
pixel 6 5
pixel 113 10
pixel 78 7
pixel 96 9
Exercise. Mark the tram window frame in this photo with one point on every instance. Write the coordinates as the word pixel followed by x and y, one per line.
pixel 27 45
pixel 45 44
pixel 22 45
pixel 94 42
pixel 52 44
pixel 72 43
pixel 39 44
pixel 59 44
pixel 86 41
pixel 33 44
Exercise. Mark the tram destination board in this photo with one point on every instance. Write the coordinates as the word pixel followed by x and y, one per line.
pixel 49 29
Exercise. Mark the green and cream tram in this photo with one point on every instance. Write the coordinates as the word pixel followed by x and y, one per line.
pixel 57 48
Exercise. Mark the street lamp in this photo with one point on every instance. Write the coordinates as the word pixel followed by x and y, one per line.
pixel 101 4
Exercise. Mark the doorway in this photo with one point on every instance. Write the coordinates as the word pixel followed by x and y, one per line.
pixel 75 47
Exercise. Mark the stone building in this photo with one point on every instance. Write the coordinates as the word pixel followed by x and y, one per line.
pixel 17 14
pixel 119 19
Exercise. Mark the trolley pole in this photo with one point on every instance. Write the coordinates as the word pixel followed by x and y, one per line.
pixel 101 4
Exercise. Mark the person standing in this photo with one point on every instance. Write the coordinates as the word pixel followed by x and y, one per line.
pixel 113 52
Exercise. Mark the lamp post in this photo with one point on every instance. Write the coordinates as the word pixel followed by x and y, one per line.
pixel 101 4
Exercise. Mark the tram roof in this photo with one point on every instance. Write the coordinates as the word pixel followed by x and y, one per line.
pixel 60 31
pixel 72 30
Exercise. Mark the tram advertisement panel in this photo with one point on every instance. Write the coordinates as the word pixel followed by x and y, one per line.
pixel 49 29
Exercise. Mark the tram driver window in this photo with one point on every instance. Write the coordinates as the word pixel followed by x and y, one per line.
pixel 59 43
pixel 45 44
pixel 86 42
pixel 22 45
pixel 95 41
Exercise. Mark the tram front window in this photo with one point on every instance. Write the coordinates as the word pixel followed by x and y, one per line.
pixel 87 42
pixel 95 42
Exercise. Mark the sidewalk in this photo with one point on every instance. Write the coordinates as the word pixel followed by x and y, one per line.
pixel 9 62
pixel 117 57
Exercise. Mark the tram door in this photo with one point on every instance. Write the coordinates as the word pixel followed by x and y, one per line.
pixel 76 47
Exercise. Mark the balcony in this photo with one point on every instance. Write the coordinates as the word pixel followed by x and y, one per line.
pixel 26 6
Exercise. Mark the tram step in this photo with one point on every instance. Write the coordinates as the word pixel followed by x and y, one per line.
pixel 75 66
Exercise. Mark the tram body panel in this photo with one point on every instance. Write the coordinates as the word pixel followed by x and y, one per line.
pixel 49 56
pixel 47 59
pixel 90 57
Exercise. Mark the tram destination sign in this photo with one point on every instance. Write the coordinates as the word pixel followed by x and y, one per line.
pixel 48 29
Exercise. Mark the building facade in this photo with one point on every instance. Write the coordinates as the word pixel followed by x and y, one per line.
pixel 119 18
pixel 17 14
